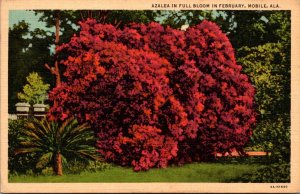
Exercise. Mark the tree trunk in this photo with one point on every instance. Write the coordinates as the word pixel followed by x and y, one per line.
pixel 57 166
pixel 57 29
pixel 55 70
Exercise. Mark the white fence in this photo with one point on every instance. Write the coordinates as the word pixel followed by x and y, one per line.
pixel 23 111
pixel 12 116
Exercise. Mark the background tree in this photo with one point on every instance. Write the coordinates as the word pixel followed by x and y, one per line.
pixel 269 70
pixel 25 45
pixel 18 67
pixel 266 58
pixel 253 28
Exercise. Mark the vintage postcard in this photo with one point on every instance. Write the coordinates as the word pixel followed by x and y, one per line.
pixel 152 96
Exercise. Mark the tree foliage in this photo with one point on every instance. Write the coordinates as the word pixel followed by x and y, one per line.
pixel 154 94
pixel 254 28
pixel 268 69
pixel 17 66
pixel 35 92
pixel 268 64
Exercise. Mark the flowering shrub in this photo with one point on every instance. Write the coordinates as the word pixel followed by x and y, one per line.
pixel 156 95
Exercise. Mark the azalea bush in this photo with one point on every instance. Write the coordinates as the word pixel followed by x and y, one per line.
pixel 155 95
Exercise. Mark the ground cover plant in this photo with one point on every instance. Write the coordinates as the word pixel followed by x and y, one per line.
pixel 155 95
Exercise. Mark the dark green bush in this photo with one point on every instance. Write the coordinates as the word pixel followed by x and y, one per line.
pixel 19 163
pixel 274 173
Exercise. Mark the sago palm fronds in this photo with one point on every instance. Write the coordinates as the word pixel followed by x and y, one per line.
pixel 56 142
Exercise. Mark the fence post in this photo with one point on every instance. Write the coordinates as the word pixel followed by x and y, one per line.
pixel 39 110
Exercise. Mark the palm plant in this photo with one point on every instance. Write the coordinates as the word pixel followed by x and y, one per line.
pixel 55 143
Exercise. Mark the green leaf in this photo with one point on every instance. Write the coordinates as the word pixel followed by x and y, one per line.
pixel 44 160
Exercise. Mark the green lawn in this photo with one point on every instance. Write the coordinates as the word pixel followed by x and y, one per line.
pixel 196 172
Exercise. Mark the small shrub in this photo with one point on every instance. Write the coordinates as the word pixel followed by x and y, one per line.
pixel 47 171
pixel 98 166
pixel 80 166
pixel 75 167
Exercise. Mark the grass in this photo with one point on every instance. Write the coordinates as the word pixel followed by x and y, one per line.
pixel 196 172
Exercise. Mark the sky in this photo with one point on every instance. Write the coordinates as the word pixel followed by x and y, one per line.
pixel 29 17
